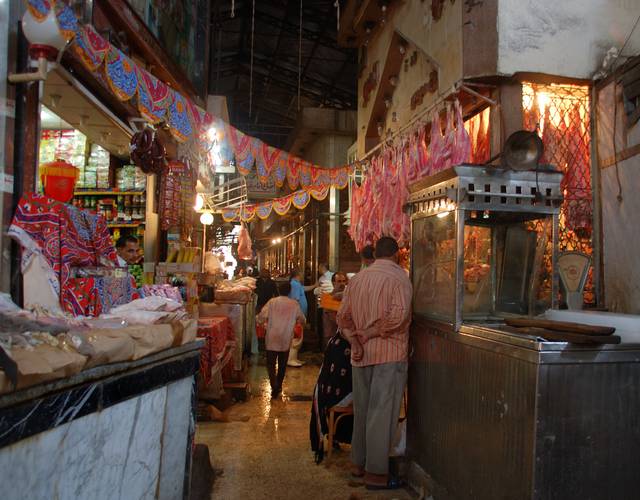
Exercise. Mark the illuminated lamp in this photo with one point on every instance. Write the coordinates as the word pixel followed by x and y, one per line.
pixel 59 180
pixel 46 42
pixel 206 218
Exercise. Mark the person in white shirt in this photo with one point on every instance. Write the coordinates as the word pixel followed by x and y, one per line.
pixel 128 250
pixel 324 282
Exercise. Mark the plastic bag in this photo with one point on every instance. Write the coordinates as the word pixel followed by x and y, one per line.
pixel 399 446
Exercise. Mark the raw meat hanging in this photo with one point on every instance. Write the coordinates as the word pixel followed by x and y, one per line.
pixel 462 142
pixel 245 252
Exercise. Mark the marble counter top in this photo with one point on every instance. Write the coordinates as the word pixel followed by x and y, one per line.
pixel 43 407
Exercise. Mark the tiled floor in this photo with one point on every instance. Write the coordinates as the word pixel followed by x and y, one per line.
pixel 268 455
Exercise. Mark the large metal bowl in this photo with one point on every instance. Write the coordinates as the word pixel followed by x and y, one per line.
pixel 522 151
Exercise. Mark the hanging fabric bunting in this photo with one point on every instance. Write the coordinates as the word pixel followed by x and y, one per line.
pixel 282 205
pixel 340 177
pixel 179 123
pixel 200 119
pixel 90 47
pixel 301 199
pixel 39 8
pixel 263 210
pixel 319 193
pixel 66 20
pixel 241 145
pixel 266 161
pixel 247 213
pixel 121 74
pixel 280 173
pixel 154 97
pixel 293 171
pixel 231 214
pixel 320 177
pixel 305 175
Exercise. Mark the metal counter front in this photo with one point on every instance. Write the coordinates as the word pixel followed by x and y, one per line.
pixel 499 415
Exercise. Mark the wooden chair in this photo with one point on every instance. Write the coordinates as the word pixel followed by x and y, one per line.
pixel 344 411
pixel 341 412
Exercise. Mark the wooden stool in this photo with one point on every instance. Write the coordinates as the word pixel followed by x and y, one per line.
pixel 341 411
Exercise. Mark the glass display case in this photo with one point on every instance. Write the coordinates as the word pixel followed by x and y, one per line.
pixel 484 243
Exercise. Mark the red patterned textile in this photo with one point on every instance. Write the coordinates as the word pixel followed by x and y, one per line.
pixel 67 237
pixel 220 344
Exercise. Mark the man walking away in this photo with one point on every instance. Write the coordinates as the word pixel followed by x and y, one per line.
pixel 377 308
pixel 281 315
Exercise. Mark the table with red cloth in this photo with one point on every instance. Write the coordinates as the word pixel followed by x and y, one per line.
pixel 219 347
pixel 67 238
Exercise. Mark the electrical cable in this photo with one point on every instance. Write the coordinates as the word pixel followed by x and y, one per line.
pixel 615 111
pixel 253 30
pixel 300 57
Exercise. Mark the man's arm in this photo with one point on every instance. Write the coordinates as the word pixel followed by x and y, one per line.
pixel 357 351
pixel 397 316
pixel 344 317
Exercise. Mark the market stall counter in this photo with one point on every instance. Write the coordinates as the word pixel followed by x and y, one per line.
pixel 97 376
pixel 123 429
pixel 500 411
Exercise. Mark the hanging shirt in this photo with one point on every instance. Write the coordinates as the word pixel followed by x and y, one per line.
pixel 281 315
pixel 297 293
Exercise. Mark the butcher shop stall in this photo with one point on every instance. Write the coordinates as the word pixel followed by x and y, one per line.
pixel 502 384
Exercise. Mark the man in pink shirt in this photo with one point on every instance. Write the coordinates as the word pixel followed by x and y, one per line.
pixel 376 308
pixel 281 315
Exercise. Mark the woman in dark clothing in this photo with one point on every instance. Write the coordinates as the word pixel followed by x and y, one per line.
pixel 333 386
pixel 266 289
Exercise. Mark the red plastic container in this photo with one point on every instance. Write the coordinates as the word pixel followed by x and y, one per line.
pixel 59 180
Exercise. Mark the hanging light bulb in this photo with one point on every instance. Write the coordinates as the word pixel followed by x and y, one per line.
pixel 206 218
pixel 199 203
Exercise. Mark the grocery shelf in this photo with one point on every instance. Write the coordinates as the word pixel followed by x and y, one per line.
pixel 125 224
pixel 108 193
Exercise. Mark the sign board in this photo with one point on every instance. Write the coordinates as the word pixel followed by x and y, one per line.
pixel 259 191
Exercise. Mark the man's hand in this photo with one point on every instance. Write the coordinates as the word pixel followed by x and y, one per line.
pixel 357 351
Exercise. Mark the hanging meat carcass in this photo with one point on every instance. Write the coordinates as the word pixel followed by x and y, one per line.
pixel 462 143
pixel 437 151
pixel 245 252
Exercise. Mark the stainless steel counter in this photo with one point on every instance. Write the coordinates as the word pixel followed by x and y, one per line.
pixel 494 414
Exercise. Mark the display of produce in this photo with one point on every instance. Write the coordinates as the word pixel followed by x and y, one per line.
pixel 67 145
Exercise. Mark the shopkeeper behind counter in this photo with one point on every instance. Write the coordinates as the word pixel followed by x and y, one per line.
pixel 128 250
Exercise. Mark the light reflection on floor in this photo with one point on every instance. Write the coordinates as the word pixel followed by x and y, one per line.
pixel 269 456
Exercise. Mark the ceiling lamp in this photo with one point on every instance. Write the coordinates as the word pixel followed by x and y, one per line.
pixel 206 218
pixel 46 42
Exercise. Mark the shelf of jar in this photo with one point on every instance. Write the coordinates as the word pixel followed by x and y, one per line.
pixel 108 193
pixel 124 224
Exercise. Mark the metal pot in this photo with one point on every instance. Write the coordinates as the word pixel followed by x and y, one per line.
pixel 522 151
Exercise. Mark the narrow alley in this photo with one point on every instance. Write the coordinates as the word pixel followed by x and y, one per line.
pixel 263 451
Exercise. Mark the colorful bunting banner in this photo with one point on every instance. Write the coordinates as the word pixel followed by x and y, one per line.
pixel 157 102
pixel 299 199
pixel 90 47
pixel 154 97
pixel 121 74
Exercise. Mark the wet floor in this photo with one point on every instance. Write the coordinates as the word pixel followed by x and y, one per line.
pixel 263 452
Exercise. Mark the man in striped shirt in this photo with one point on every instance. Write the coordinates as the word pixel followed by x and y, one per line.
pixel 376 313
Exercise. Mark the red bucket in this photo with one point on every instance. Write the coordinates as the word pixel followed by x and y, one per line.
pixel 59 180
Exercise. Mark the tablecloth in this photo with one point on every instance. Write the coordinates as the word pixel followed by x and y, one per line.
pixel 67 237
pixel 220 344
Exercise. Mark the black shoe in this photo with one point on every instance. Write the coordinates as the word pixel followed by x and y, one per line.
pixel 275 393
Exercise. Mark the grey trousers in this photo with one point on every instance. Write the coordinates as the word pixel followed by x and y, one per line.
pixel 377 394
